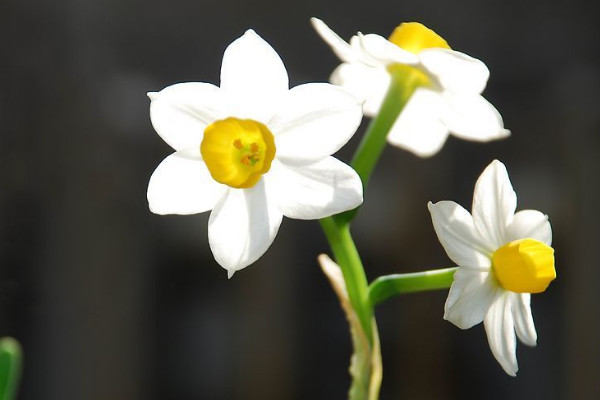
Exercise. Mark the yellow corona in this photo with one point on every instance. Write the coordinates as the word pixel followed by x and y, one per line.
pixel 524 266
pixel 414 37
pixel 237 152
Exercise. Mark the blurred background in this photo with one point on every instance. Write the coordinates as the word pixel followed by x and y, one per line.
pixel 112 302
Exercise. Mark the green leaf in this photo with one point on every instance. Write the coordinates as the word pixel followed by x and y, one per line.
pixel 10 367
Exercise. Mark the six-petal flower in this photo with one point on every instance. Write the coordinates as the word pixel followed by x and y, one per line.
pixel 253 151
pixel 448 100
pixel 502 256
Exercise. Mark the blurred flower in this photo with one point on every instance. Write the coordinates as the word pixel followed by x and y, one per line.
pixel 253 151
pixel 448 98
pixel 502 258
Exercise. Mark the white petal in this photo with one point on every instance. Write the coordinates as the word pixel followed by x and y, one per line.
pixel 521 308
pixel 469 298
pixel 181 112
pixel 500 329
pixel 457 234
pixel 253 74
pixel 314 121
pixel 337 44
pixel 242 226
pixel 419 128
pixel 494 203
pixel 313 191
pixel 181 184
pixel 368 84
pixel 362 57
pixel 471 117
pixel 529 224
pixel 455 71
pixel 383 52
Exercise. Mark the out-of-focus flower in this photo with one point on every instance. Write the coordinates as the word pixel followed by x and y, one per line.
pixel 252 151
pixel 503 257
pixel 448 97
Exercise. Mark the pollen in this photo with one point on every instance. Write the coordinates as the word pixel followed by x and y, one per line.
pixel 415 37
pixel 524 266
pixel 237 152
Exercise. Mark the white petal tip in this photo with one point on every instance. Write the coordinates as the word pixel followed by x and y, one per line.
pixel 230 273
pixel 496 164
pixel 154 209
pixel 459 323
pixel 251 32
pixel 152 95
pixel 319 25
pixel 425 154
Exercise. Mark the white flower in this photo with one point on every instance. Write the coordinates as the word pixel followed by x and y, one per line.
pixel 253 151
pixel 502 258
pixel 448 99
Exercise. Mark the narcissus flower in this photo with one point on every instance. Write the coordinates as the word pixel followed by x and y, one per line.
pixel 252 151
pixel 503 257
pixel 449 85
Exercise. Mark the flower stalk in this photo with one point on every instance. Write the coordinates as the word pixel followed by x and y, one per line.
pixel 388 286
pixel 404 82
pixel 366 381
pixel 348 259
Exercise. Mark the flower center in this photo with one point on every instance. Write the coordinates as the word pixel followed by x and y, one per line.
pixel 414 37
pixel 237 152
pixel 524 266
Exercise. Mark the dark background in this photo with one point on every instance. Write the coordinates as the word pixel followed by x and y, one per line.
pixel 113 302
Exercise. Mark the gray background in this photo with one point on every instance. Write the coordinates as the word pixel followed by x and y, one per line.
pixel 113 302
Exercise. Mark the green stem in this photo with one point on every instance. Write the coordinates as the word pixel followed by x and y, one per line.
pixel 404 81
pixel 401 89
pixel 10 368
pixel 348 259
pixel 388 286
